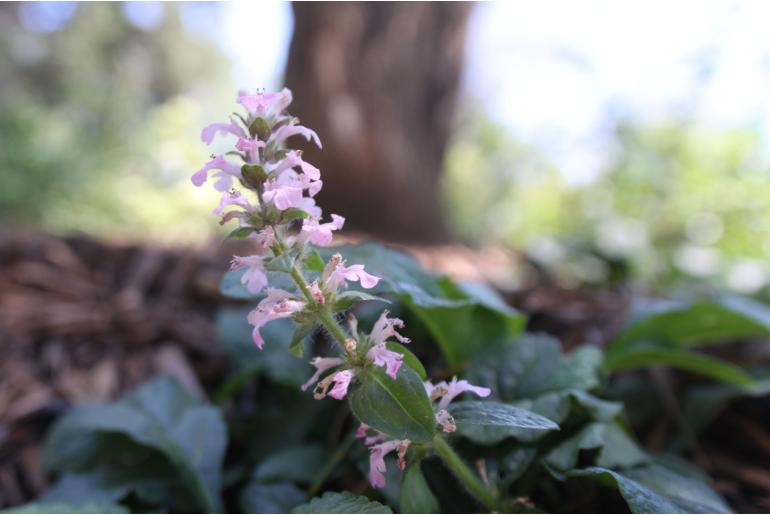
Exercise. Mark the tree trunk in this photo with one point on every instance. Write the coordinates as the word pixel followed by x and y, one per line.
pixel 379 83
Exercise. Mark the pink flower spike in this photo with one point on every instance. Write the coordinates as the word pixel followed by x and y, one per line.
pixel 318 233
pixel 344 273
pixel 382 357
pixel 209 133
pixel 283 196
pixel 377 466
pixel 288 131
pixel 233 198
pixel 277 304
pixel 341 383
pixel 455 388
pixel 385 328
pixel 254 278
pixel 294 158
pixel 227 172
pixel 321 365
pixel 266 104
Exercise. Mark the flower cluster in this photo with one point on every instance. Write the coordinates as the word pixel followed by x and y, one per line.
pixel 275 208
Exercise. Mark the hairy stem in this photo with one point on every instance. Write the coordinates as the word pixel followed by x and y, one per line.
pixel 455 464
pixel 324 314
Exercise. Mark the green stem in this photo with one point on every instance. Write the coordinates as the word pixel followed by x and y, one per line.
pixel 324 315
pixel 461 471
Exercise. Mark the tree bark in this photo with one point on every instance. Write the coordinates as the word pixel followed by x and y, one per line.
pixel 379 81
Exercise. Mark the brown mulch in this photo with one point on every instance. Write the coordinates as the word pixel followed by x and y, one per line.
pixel 86 320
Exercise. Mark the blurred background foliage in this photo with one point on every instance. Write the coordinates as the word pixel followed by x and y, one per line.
pixel 99 132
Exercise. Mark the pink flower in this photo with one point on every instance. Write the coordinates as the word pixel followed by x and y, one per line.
pixel 369 440
pixel 385 328
pixel 227 172
pixel 382 357
pixel 287 191
pixel 316 292
pixel 233 198
pixel 294 158
pixel 448 391
pixel 377 466
pixel 341 383
pixel 282 196
pixel 344 273
pixel 265 105
pixel 277 304
pixel 254 278
pixel 251 147
pixel 321 365
pixel 288 131
pixel 320 234
pixel 209 133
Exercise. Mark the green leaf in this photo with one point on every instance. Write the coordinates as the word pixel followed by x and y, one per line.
pixel 297 345
pixel 240 232
pixel 299 464
pixel 399 408
pixel 462 318
pixel 515 464
pixel 65 507
pixel 347 299
pixel 683 324
pixel 343 502
pixel 253 175
pixel 616 448
pixel 489 422
pixel 533 365
pixel 313 262
pixel 703 403
pixel 645 355
pixel 260 128
pixel 162 416
pixel 293 213
pixel 410 359
pixel 416 495
pixel 270 498
pixel 656 489
pixel 274 360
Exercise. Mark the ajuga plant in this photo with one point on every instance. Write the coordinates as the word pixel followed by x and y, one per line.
pixel 269 189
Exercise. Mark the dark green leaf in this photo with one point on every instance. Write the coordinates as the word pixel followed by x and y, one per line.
pixel 399 408
pixel 253 175
pixel 274 359
pixel 644 355
pixel 684 324
pixel 656 489
pixel 162 416
pixel 270 498
pixel 416 495
pixel 489 422
pixel 534 365
pixel 293 213
pixel 260 128
pixel 347 299
pixel 343 502
pixel 297 345
pixel 616 448
pixel 462 318
pixel 240 232
pixel 313 262
pixel 410 359
pixel 299 464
